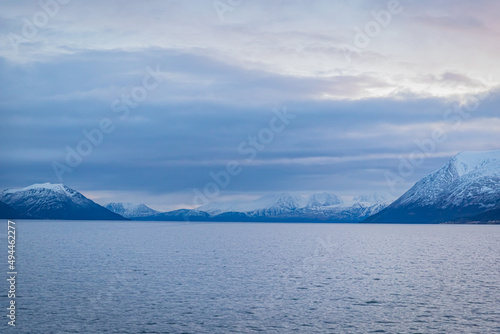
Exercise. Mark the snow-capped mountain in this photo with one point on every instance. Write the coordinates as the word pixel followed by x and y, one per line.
pixel 468 185
pixel 374 198
pixel 130 210
pixel 178 215
pixel 54 201
pixel 323 199
pixel 287 207
pixel 270 203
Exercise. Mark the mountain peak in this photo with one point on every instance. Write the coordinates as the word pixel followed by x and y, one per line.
pixel 130 210
pixel 466 186
pixel 54 201
pixel 292 207
pixel 375 198
pixel 47 185
pixel 486 162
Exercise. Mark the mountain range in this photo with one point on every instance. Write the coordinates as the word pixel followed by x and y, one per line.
pixel 465 190
pixel 130 210
pixel 284 207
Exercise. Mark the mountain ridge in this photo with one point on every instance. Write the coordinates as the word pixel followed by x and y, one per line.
pixel 130 210
pixel 54 201
pixel 466 189
pixel 282 207
pixel 468 185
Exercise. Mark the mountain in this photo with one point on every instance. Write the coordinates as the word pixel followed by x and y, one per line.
pixel 129 210
pixel 284 207
pixel 178 215
pixel 274 204
pixel 55 201
pixel 468 185
pixel 8 212
pixel 270 204
pixel 323 199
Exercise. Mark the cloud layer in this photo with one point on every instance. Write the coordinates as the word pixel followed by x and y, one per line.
pixel 215 83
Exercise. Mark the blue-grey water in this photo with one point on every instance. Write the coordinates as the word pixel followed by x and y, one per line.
pixel 142 277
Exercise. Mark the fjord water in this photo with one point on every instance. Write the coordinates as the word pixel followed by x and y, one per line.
pixel 142 277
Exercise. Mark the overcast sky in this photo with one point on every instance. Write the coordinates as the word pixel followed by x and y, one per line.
pixel 346 96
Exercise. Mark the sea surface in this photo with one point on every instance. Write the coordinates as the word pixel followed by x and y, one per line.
pixel 156 277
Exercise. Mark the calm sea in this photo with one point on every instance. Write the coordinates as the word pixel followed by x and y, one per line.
pixel 142 277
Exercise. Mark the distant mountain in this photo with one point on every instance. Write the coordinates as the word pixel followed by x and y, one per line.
pixel 465 190
pixel 129 210
pixel 322 200
pixel 321 207
pixel 271 204
pixel 467 186
pixel 55 201
pixel 178 215
pixel 8 212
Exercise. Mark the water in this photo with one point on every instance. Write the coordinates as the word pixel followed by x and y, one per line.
pixel 141 277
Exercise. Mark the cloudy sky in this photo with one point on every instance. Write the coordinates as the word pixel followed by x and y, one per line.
pixel 145 101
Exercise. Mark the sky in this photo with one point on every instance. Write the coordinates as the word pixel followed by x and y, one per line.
pixel 176 103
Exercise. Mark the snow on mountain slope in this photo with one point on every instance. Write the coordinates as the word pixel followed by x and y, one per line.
pixel 320 206
pixel 480 163
pixel 469 178
pixel 277 202
pixel 375 198
pixel 130 210
pixel 468 184
pixel 283 203
pixel 178 215
pixel 323 199
pixel 40 188
pixel 271 203
pixel 357 209
pixel 54 201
